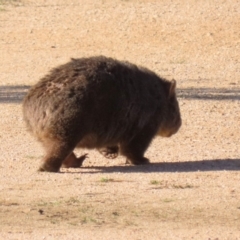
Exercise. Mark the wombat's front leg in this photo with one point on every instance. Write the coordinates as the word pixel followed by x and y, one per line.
pixel 135 149
pixel 73 162
pixel 109 152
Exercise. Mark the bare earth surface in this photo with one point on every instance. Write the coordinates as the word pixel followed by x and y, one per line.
pixel 192 188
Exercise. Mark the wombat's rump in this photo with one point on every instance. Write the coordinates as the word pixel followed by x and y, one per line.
pixel 101 103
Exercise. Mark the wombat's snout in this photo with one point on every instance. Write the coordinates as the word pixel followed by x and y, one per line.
pixel 166 133
pixel 169 131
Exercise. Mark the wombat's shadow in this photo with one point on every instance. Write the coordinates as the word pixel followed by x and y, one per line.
pixel 191 166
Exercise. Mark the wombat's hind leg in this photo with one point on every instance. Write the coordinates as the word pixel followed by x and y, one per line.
pixel 109 152
pixel 73 162
pixel 56 153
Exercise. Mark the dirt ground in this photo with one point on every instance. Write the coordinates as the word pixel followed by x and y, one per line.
pixel 192 188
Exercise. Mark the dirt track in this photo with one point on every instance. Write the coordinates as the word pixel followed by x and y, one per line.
pixel 192 188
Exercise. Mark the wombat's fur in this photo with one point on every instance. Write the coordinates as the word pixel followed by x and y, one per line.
pixel 101 103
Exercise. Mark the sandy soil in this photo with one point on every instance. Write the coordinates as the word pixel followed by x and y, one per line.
pixel 192 188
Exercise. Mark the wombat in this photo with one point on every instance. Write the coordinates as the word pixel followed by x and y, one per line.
pixel 101 103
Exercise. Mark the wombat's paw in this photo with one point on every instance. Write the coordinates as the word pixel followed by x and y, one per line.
pixel 81 159
pixel 73 162
pixel 109 152
pixel 47 168
pixel 140 161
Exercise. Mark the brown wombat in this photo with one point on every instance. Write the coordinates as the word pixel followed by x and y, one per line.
pixel 101 103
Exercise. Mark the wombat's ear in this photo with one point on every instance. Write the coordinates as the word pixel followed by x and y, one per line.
pixel 172 88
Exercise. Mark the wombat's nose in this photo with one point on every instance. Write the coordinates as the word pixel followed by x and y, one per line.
pixel 166 134
pixel 169 134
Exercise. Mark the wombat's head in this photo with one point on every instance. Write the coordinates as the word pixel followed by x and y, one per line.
pixel 172 117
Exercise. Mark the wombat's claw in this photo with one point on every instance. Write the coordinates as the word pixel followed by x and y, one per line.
pixel 141 161
pixel 109 155
pixel 73 162
pixel 46 168
pixel 81 159
pixel 109 152
pixel 128 162
pixel 41 169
